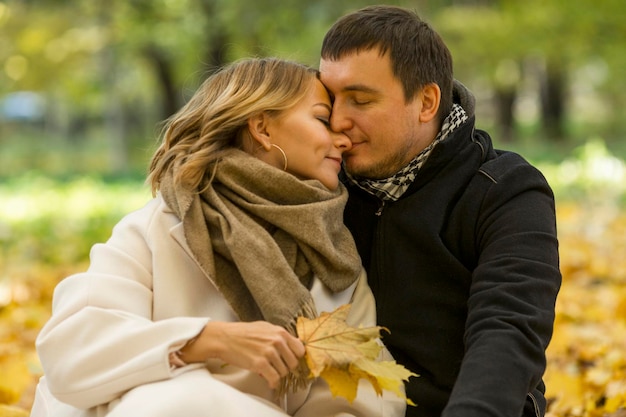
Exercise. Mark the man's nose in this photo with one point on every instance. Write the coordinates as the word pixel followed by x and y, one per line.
pixel 339 122
pixel 342 141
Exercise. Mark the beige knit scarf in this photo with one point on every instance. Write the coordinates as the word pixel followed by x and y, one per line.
pixel 261 235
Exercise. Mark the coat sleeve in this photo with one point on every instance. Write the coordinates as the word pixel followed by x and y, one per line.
pixel 512 295
pixel 320 402
pixel 100 340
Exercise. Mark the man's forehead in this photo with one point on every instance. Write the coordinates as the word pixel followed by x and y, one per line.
pixel 364 67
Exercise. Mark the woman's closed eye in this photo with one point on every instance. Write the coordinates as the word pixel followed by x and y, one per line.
pixel 325 121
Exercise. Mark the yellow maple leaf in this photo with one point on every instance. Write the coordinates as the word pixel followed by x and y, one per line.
pixel 384 375
pixel 341 383
pixel 342 355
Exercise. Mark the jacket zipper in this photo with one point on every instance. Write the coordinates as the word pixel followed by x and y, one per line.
pixel 534 400
pixel 378 255
pixel 380 208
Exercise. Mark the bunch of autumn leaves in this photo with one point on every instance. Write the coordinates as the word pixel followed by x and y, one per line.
pixel 342 355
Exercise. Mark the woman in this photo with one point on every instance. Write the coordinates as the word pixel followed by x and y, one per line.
pixel 190 307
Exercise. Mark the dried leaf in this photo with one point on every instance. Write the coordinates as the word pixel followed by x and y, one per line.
pixel 14 377
pixel 342 355
pixel 11 411
pixel 384 375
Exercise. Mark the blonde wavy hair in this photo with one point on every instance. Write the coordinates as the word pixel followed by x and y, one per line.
pixel 214 119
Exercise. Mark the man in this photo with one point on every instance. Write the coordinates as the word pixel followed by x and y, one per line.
pixel 459 239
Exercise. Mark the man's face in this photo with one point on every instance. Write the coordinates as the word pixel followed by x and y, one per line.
pixel 370 108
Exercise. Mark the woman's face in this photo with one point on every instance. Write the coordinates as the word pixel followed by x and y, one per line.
pixel 313 151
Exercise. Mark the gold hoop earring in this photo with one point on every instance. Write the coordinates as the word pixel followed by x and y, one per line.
pixel 283 153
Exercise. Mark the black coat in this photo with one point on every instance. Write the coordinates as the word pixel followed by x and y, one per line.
pixel 465 271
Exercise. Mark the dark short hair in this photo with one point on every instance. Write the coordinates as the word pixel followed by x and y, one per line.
pixel 418 54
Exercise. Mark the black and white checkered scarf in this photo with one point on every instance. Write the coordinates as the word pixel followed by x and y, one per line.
pixel 393 187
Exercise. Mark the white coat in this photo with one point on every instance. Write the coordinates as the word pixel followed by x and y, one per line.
pixel 105 349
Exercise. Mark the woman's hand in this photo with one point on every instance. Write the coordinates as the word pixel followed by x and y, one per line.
pixel 259 347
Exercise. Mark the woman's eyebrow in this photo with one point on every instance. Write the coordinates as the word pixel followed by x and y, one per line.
pixel 325 105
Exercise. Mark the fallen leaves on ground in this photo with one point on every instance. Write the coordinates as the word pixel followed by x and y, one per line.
pixel 342 355
pixel 11 411
pixel 25 295
pixel 586 372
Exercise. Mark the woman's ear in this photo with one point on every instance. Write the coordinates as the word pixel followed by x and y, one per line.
pixel 257 125
pixel 431 98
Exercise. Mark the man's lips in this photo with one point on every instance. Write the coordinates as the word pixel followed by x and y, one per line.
pixel 336 159
pixel 355 145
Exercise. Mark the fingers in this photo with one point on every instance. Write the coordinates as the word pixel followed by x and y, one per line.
pixel 296 346
pixel 291 350
pixel 280 355
pixel 261 347
pixel 271 373
pixel 283 353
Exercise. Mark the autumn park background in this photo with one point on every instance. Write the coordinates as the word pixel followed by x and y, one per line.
pixel 84 84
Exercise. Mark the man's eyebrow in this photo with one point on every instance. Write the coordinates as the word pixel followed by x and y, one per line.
pixel 360 88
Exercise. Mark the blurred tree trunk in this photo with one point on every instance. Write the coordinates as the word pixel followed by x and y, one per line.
pixel 164 71
pixel 164 67
pixel 553 96
pixel 217 51
pixel 506 83
pixel 505 100
pixel 114 117
pixel 115 122
pixel 216 36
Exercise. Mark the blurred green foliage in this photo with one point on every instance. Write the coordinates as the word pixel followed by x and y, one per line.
pixel 49 221
pixel 109 72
